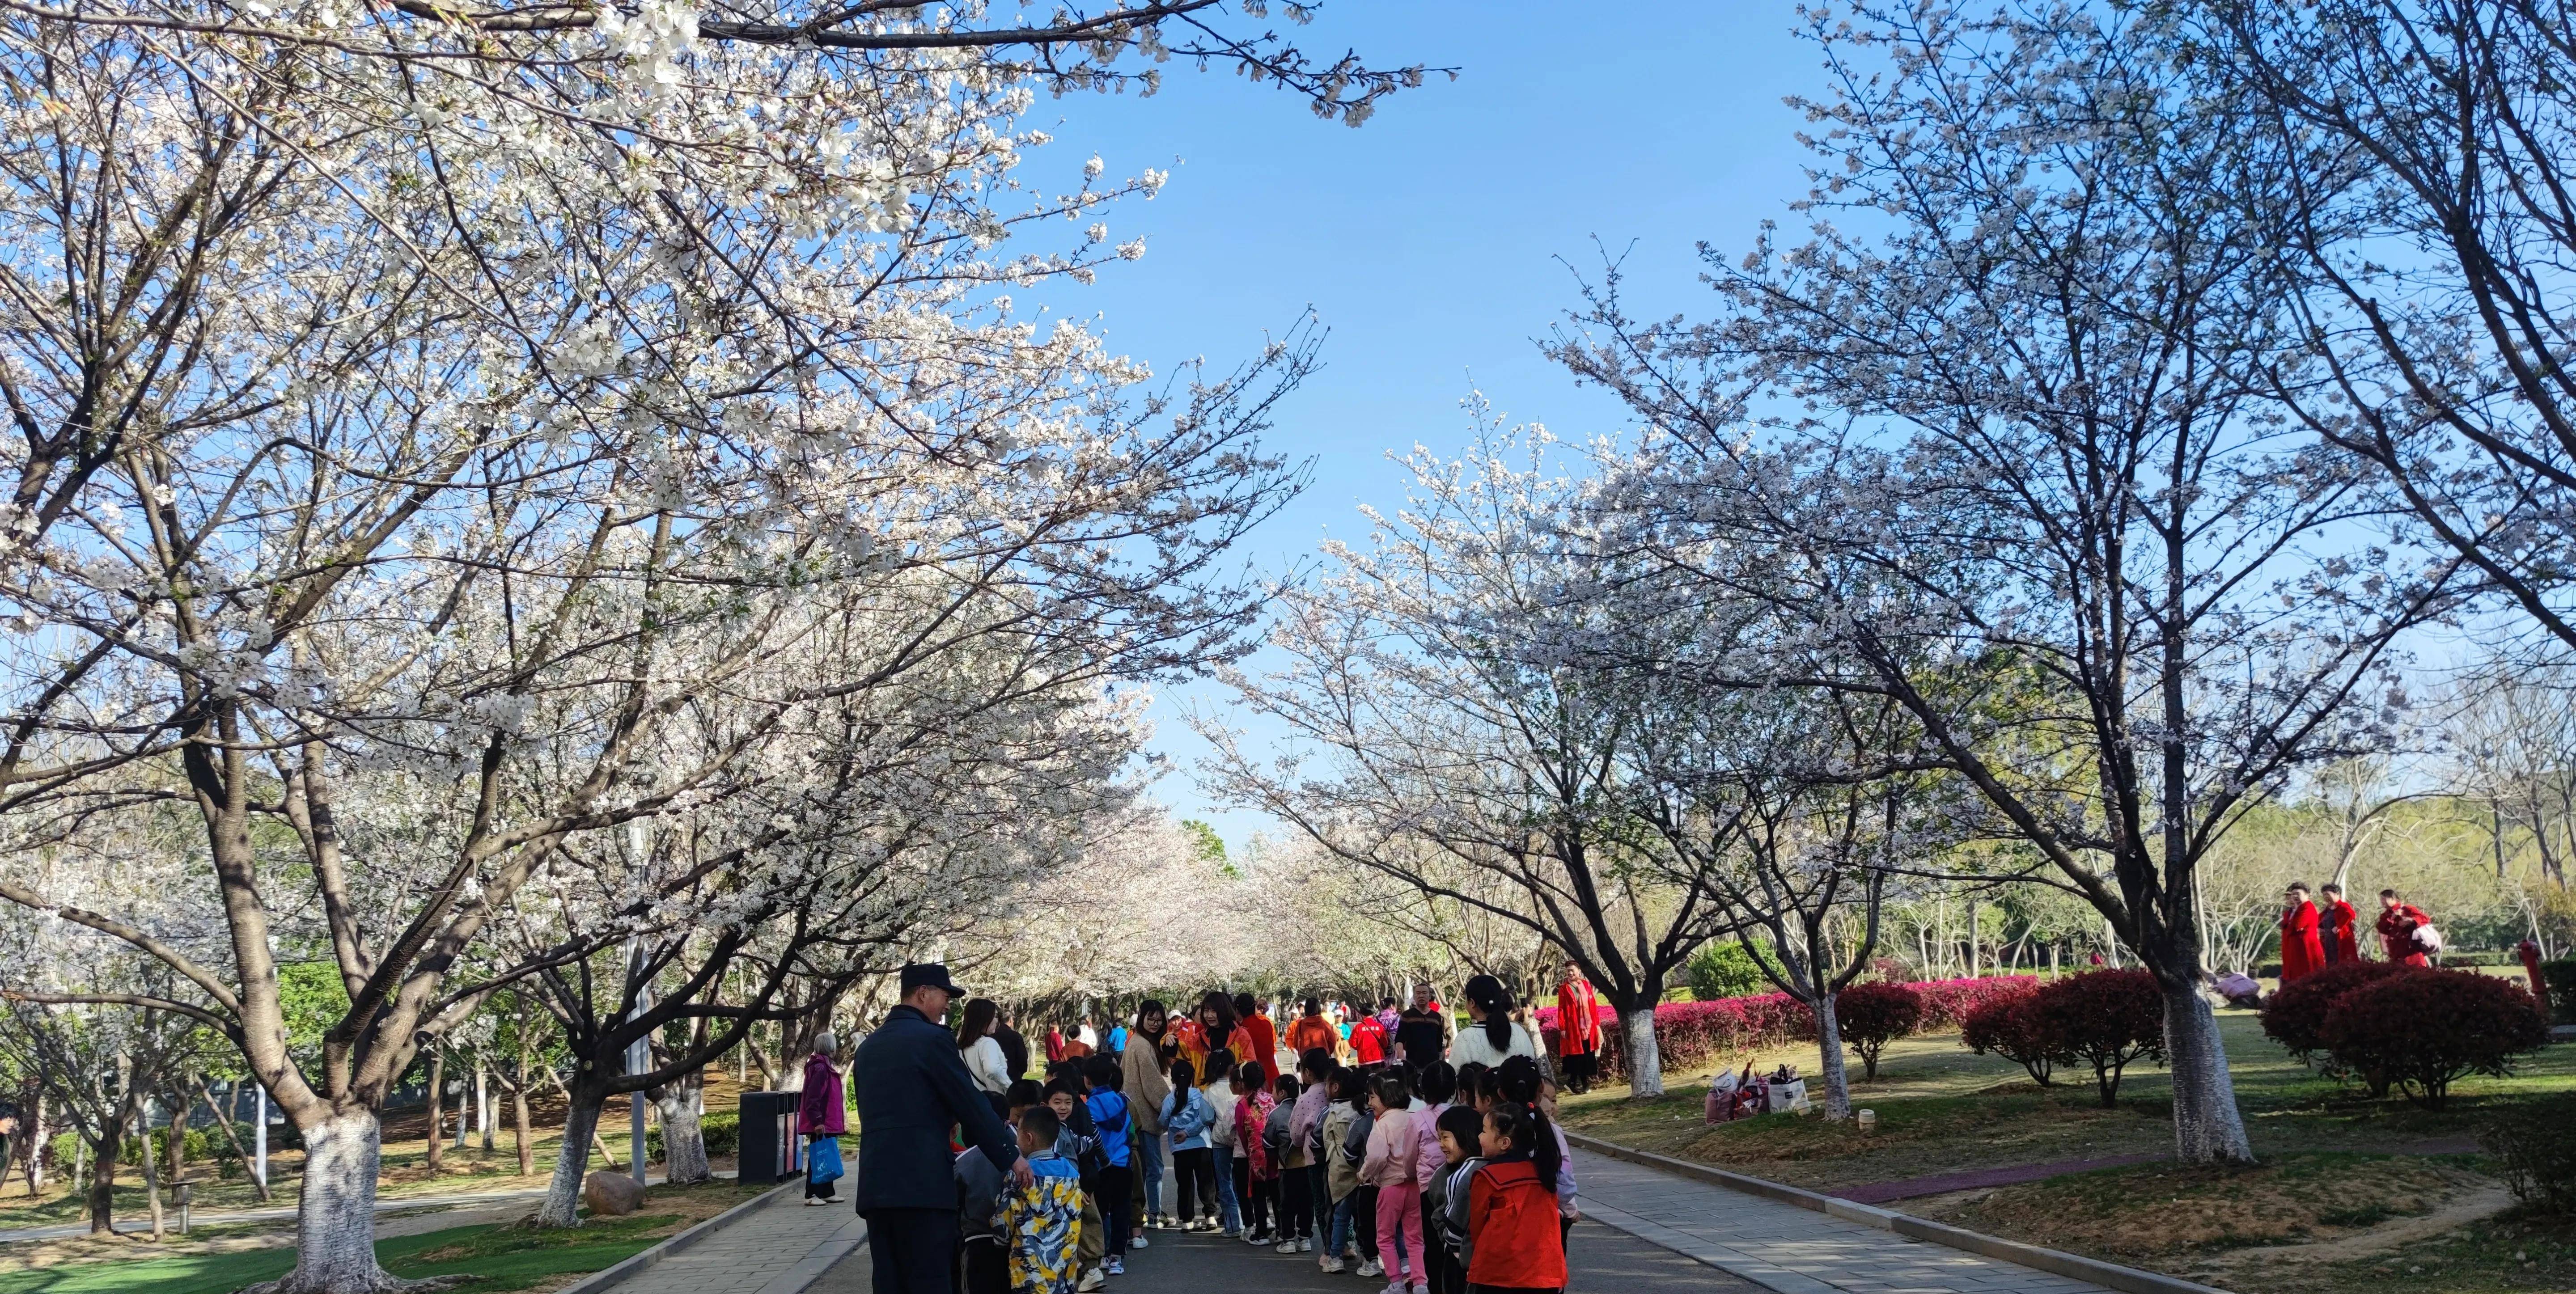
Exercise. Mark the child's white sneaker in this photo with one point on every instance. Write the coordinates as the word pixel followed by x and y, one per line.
pixel 1091 1280
pixel 1332 1266
pixel 1394 1287
pixel 1138 1241
pixel 1285 1247
pixel 1369 1267
pixel 1305 1244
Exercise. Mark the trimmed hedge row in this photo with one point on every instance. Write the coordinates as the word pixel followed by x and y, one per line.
pixel 1693 1033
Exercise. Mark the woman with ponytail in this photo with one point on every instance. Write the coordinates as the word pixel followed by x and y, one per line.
pixel 1515 1242
pixel 1493 1038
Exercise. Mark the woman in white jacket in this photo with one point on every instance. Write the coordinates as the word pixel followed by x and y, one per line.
pixel 982 1052
pixel 1493 1038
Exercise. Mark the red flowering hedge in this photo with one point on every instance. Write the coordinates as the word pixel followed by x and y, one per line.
pixel 2007 1026
pixel 1693 1033
pixel 2104 1018
pixel 1874 1015
pixel 2418 1029
pixel 2295 1016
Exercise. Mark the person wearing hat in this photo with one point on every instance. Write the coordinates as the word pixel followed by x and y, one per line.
pixel 912 1088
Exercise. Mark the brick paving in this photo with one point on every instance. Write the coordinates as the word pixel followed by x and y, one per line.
pixel 1786 1248
pixel 780 1248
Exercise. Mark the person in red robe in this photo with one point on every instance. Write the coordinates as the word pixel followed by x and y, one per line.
pixel 2397 922
pixel 2301 954
pixel 2338 926
pixel 1578 1029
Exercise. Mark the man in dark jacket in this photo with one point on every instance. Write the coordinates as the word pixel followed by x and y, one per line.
pixel 1015 1049
pixel 911 1088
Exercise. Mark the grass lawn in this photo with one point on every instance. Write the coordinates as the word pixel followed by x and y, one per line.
pixel 405 1175
pixel 2346 1188
pixel 499 1257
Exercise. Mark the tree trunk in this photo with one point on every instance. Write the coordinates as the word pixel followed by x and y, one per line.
pixel 151 1175
pixel 684 1142
pixel 437 1125
pixel 175 1162
pixel 1645 1059
pixel 1829 1051
pixel 523 1141
pixel 102 1176
pixel 36 1144
pixel 224 1121
pixel 572 1162
pixel 335 1221
pixel 483 1105
pixel 2208 1128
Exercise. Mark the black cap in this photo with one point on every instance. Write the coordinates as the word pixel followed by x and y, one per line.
pixel 929 975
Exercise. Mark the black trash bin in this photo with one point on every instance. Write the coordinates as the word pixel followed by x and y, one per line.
pixel 768 1152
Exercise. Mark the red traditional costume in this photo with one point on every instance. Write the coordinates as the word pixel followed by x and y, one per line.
pixel 1578 1032
pixel 2397 933
pixel 2338 928
pixel 2301 954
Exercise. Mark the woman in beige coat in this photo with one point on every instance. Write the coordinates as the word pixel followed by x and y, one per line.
pixel 1141 1067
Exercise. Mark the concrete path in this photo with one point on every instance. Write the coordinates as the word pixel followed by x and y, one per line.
pixel 1788 1249
pixel 781 1247
pixel 1599 1261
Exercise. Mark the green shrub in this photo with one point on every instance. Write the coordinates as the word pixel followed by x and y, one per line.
pixel 1723 970
pixel 2560 976
pixel 2534 1142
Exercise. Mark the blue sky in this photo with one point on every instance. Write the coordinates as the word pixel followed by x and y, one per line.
pixel 1429 240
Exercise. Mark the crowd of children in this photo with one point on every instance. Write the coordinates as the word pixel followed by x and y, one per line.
pixel 1442 1180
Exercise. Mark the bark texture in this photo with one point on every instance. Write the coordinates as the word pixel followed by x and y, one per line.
pixel 1829 1054
pixel 2208 1128
pixel 562 1207
pixel 335 1222
pixel 1645 1058
pixel 684 1142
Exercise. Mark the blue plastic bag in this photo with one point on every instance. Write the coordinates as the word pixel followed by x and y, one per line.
pixel 823 1160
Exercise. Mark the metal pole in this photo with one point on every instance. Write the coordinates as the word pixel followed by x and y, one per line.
pixel 259 1133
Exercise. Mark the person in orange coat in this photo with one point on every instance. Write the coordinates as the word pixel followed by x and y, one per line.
pixel 2301 954
pixel 1311 1031
pixel 2338 926
pixel 2397 923
pixel 1578 1029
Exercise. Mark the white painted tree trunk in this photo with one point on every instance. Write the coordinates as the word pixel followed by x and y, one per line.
pixel 2208 1128
pixel 1645 1059
pixel 335 1221
pixel 684 1142
pixel 572 1161
pixel 1829 1055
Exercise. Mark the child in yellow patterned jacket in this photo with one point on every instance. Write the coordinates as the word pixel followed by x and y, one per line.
pixel 1043 1220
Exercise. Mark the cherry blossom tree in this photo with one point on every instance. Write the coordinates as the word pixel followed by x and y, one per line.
pixel 1461 703
pixel 2012 458
pixel 2443 129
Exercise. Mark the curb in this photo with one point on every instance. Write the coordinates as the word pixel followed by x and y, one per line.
pixel 635 1265
pixel 2127 1280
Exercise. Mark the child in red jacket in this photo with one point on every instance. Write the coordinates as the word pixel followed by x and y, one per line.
pixel 1511 1206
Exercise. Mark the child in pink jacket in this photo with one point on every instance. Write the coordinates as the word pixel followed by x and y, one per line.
pixel 1393 1147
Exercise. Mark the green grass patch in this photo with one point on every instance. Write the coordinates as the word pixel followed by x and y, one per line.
pixel 2512 1253
pixel 500 1258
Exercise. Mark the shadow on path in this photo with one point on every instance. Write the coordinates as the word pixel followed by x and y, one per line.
pixel 1601 1261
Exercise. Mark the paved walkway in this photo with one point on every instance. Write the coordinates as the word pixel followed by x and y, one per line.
pixel 1599 1261
pixel 1786 1248
pixel 780 1248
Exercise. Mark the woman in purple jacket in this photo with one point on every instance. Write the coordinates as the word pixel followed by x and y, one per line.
pixel 821 1116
